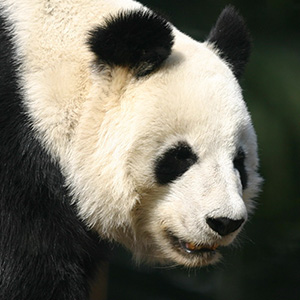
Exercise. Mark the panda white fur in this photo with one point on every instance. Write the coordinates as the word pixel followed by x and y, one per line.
pixel 115 124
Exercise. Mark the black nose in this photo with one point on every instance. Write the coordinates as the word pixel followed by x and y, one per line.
pixel 224 226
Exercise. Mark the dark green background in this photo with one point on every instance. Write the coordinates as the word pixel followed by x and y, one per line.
pixel 266 263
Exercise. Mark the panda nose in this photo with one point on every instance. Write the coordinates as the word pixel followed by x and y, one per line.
pixel 224 226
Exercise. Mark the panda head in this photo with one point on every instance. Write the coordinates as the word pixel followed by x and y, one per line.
pixel 165 156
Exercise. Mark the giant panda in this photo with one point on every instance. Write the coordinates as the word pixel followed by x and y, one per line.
pixel 117 127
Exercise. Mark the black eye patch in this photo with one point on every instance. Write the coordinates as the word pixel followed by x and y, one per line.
pixel 174 163
pixel 239 164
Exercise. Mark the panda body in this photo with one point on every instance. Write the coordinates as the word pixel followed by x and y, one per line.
pixel 117 124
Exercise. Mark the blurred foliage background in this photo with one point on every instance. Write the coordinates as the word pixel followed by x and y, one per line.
pixel 266 264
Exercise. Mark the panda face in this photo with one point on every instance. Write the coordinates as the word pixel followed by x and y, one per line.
pixel 175 161
pixel 194 162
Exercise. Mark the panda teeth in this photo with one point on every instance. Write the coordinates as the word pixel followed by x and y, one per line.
pixel 190 247
pixel 193 248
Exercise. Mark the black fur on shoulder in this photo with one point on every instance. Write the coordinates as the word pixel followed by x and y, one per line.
pixel 46 252
pixel 231 37
pixel 138 39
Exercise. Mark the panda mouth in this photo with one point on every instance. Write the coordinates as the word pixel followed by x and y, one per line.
pixel 190 247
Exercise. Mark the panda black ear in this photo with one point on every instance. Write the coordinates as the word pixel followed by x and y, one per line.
pixel 231 37
pixel 138 39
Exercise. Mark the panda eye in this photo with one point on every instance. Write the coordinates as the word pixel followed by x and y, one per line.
pixel 239 164
pixel 174 163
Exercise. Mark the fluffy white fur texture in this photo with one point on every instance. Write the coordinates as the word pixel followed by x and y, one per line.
pixel 107 128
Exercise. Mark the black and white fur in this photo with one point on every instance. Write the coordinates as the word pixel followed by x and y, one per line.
pixel 116 126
